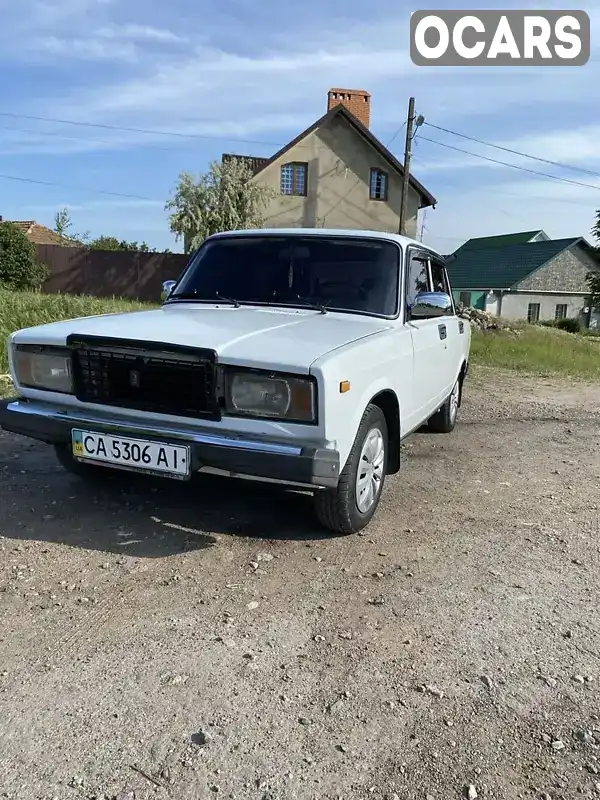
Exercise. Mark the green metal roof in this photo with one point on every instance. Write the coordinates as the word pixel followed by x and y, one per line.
pixel 502 240
pixel 503 267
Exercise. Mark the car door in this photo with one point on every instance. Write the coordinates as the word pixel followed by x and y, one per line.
pixel 429 338
pixel 452 342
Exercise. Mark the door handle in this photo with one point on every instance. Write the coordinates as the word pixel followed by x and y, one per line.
pixel 442 330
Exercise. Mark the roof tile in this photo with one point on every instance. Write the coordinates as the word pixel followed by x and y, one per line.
pixel 39 234
pixel 503 267
pixel 502 240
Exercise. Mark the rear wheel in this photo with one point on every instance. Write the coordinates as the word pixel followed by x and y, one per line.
pixel 444 420
pixel 351 505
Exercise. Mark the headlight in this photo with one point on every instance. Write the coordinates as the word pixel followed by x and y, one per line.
pixel 41 367
pixel 263 394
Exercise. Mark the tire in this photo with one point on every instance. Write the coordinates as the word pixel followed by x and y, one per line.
pixel 88 472
pixel 338 509
pixel 444 420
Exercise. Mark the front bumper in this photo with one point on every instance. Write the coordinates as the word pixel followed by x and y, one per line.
pixel 306 464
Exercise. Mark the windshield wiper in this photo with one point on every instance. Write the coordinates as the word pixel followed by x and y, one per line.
pixel 235 303
pixel 310 302
pixel 183 296
pixel 194 296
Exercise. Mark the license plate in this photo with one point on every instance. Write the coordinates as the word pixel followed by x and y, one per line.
pixel 139 455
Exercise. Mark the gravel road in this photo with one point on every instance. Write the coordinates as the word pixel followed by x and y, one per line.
pixel 160 641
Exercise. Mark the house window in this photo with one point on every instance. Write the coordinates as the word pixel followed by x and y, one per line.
pixel 293 179
pixel 465 298
pixel 561 311
pixel 533 312
pixel 378 185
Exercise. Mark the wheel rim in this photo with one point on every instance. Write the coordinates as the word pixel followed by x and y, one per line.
pixel 369 474
pixel 454 401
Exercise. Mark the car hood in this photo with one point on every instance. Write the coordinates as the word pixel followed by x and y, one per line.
pixel 283 339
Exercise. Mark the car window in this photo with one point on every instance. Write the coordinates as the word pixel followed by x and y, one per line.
pixel 438 277
pixel 417 279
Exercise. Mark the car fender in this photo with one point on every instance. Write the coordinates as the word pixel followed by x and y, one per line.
pixel 381 363
pixel 365 399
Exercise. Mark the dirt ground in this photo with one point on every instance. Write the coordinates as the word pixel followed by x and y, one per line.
pixel 162 641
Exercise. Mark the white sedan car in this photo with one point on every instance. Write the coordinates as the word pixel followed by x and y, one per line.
pixel 300 356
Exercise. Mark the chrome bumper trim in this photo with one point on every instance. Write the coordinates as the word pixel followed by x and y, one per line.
pixel 123 425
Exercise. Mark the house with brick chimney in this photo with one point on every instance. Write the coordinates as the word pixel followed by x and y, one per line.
pixel 338 174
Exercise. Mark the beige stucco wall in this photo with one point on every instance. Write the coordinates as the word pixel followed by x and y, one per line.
pixel 339 161
pixel 515 304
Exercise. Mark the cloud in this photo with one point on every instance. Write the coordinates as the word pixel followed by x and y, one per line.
pixel 88 30
pixel 214 80
pixel 96 205
pixel 87 49
pixel 271 87
pixel 138 32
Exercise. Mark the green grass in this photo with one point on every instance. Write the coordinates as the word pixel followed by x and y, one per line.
pixel 538 351
pixel 26 309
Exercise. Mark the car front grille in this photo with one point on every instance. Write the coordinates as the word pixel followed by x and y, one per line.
pixel 145 376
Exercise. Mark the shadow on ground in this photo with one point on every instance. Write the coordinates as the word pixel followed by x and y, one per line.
pixel 140 516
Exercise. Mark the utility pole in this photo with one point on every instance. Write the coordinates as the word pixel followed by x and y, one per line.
pixel 407 153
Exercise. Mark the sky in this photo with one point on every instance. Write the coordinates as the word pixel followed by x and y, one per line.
pixel 191 80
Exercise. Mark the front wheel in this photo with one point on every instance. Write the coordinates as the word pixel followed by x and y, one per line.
pixel 88 472
pixel 444 420
pixel 350 506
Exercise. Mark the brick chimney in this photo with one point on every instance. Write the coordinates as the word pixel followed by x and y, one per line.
pixel 356 100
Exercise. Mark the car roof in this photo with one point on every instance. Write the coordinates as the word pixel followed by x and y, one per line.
pixel 346 232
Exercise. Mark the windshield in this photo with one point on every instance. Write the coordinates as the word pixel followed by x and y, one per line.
pixel 333 273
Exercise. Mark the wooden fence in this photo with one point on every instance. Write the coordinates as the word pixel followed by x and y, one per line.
pixel 104 273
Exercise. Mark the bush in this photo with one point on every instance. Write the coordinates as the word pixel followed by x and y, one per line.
pixel 569 324
pixel 572 325
pixel 19 268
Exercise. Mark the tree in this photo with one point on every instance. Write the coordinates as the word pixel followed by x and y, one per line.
pixel 223 199
pixel 593 277
pixel 112 243
pixel 62 223
pixel 19 268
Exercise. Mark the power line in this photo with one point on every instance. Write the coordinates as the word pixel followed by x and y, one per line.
pixel 78 188
pixel 58 135
pixel 513 166
pixel 514 152
pixel 523 197
pixel 151 132
pixel 122 128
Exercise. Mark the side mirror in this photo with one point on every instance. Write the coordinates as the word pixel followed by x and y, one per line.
pixel 431 304
pixel 167 288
